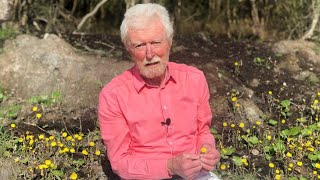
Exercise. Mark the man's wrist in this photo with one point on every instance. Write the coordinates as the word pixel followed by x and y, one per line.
pixel 170 167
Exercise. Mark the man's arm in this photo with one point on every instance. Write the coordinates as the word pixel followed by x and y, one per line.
pixel 205 138
pixel 116 136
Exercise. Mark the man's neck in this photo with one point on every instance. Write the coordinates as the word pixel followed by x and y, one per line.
pixel 154 81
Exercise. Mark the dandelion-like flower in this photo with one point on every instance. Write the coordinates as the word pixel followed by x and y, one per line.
pixel 241 125
pixel 289 154
pixel 85 152
pixel 317 165
pixel 299 163
pixel 277 177
pixel 223 166
pixel 269 137
pixel 73 176
pixel 13 125
pixel 271 165
pixel 41 136
pixel 38 115
pixel 64 134
pixel 98 153
pixel 233 99
pixel 72 150
pixel 91 144
pixel 283 121
pixel 225 124
pixel 48 162
pixel 233 125
pixel 53 144
pixel 258 122
pixel 34 108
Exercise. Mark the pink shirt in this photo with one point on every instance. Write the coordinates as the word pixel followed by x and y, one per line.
pixel 130 116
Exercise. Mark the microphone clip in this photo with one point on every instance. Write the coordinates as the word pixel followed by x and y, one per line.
pixel 167 122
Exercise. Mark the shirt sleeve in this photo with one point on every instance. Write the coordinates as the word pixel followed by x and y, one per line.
pixel 117 139
pixel 204 115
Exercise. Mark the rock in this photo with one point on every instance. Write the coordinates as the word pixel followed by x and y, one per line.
pixel 34 66
pixel 5 10
pixel 251 110
pixel 254 82
pixel 299 48
pixel 290 63
pixel 307 75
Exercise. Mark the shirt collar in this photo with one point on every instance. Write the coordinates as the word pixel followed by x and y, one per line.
pixel 139 83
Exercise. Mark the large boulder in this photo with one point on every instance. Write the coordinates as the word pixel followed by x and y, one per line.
pixel 31 66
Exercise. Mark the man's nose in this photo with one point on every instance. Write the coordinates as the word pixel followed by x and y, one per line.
pixel 149 52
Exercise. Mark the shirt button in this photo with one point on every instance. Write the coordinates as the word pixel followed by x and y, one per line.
pixel 164 107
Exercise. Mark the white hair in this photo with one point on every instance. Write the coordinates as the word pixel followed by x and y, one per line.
pixel 138 15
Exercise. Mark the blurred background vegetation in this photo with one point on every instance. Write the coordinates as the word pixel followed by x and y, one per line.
pixel 238 19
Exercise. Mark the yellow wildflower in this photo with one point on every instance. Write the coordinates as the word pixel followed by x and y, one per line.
pixel 233 99
pixel 317 165
pixel 64 134
pixel 53 143
pixel 73 176
pixel 85 152
pixel 13 125
pixel 233 125
pixel 270 92
pixel 203 150
pixel 289 154
pixel 38 115
pixel 258 122
pixel 91 144
pixel 269 137
pixel 225 124
pixel 241 125
pixel 35 108
pixel 299 163
pixel 48 162
pixel 41 136
pixel 278 177
pixel 72 150
pixel 271 165
pixel 283 121
pixel 223 166
pixel 98 153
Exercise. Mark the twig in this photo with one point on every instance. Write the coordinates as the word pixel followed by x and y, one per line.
pixel 84 19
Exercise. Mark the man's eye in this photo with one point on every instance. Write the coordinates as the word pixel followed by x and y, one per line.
pixel 156 42
pixel 139 46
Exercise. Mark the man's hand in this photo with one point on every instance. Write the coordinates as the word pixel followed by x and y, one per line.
pixel 185 165
pixel 209 157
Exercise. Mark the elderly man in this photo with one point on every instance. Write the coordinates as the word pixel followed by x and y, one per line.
pixel 155 117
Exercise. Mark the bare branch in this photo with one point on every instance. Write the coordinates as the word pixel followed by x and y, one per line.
pixel 84 19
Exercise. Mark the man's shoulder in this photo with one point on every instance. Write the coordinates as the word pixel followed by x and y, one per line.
pixel 118 81
pixel 183 68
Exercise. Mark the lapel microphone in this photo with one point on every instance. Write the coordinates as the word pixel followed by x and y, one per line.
pixel 167 122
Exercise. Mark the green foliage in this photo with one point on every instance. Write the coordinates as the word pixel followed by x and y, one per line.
pixel 6 33
pixel 47 100
pixel 10 111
